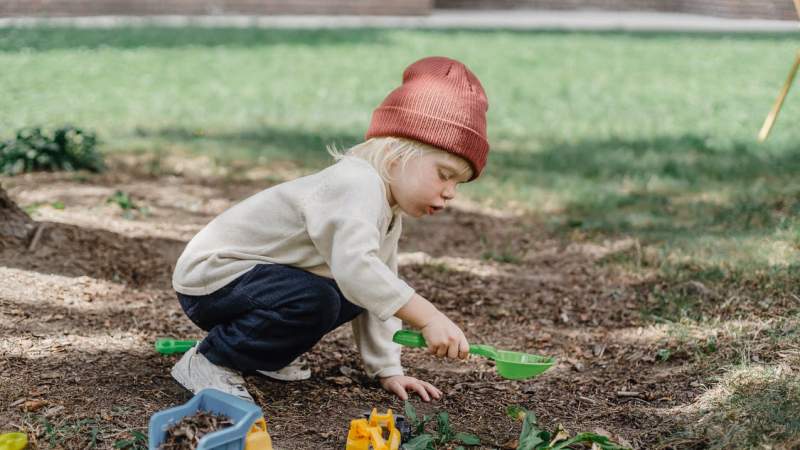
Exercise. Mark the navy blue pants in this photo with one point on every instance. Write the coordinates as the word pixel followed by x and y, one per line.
pixel 267 317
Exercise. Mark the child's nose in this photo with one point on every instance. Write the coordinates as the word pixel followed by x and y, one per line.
pixel 448 193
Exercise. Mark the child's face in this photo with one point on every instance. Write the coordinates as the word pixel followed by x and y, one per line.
pixel 426 183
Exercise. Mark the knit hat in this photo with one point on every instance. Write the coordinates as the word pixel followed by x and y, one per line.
pixel 440 103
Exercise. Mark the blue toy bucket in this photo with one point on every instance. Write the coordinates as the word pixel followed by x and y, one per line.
pixel 241 412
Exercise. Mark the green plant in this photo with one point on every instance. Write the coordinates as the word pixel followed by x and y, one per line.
pixel 444 434
pixel 123 200
pixel 65 148
pixel 126 203
pixel 62 434
pixel 534 438
pixel 33 207
pixel 664 354
pixel 137 441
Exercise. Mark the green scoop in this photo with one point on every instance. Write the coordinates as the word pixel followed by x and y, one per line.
pixel 510 365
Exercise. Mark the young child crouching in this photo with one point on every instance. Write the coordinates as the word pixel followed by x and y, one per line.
pixel 269 277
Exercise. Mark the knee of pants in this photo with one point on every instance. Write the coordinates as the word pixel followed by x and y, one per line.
pixel 325 305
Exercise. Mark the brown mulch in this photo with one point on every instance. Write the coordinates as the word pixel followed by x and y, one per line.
pixel 79 314
pixel 186 433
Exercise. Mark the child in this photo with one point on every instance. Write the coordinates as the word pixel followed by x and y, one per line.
pixel 272 275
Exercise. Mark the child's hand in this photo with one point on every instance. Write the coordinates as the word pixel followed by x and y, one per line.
pixel 444 338
pixel 398 385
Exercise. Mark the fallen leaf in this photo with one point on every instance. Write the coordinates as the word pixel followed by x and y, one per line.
pixel 34 405
pixel 511 444
pixel 52 411
pixel 341 381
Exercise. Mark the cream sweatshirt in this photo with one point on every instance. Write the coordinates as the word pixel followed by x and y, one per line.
pixel 336 223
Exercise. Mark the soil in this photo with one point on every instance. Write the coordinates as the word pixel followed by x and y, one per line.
pixel 81 309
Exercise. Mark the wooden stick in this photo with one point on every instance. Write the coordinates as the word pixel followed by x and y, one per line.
pixel 36 236
pixel 776 108
pixel 797 7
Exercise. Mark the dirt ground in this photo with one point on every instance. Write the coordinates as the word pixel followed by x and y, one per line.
pixel 81 309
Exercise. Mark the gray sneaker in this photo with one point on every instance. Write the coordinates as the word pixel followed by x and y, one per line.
pixel 194 372
pixel 297 370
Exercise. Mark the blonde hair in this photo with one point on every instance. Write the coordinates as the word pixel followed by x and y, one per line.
pixel 382 152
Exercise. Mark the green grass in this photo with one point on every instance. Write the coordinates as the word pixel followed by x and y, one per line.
pixel 650 134
pixel 753 406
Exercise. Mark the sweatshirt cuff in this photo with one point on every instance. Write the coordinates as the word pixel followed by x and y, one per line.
pixel 389 372
pixel 389 310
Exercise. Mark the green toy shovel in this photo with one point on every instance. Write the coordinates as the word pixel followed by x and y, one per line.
pixel 168 346
pixel 510 365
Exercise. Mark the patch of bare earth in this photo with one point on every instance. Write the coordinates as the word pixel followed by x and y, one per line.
pixel 80 310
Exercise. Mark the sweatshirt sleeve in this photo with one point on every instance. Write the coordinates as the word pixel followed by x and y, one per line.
pixel 373 338
pixel 342 216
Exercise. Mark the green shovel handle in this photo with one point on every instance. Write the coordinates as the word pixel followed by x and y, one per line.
pixel 168 346
pixel 411 338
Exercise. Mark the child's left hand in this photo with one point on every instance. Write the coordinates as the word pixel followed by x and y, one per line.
pixel 398 385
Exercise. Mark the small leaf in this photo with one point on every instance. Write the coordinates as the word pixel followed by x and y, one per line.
pixel 411 414
pixel 531 436
pixel 603 442
pixel 530 442
pixel 515 412
pixel 421 424
pixel 421 442
pixel 561 434
pixel 467 439
pixel 139 436
pixel 443 422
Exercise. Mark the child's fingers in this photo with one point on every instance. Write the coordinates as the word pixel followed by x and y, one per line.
pixel 420 390
pixel 463 349
pixel 435 393
pixel 399 390
pixel 452 351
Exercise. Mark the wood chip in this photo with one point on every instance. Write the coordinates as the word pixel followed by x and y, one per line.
pixel 628 394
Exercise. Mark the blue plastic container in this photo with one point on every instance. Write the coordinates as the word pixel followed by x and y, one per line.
pixel 249 431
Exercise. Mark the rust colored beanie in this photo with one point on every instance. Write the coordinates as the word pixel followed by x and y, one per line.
pixel 440 103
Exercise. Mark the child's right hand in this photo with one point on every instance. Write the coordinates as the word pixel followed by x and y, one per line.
pixel 445 338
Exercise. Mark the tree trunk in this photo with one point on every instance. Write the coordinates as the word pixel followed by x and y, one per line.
pixel 14 222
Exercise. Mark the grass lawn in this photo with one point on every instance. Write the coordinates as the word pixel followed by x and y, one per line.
pixel 598 135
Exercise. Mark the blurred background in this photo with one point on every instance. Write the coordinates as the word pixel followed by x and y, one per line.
pixel 762 9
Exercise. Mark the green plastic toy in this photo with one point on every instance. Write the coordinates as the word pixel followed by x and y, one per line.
pixel 510 365
pixel 13 441
pixel 168 346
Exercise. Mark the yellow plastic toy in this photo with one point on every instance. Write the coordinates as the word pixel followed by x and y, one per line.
pixel 13 441
pixel 364 433
pixel 258 438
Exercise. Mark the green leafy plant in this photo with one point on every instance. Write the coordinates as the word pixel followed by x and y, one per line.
pixel 534 438
pixel 443 434
pixel 126 203
pixel 137 441
pixel 65 148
